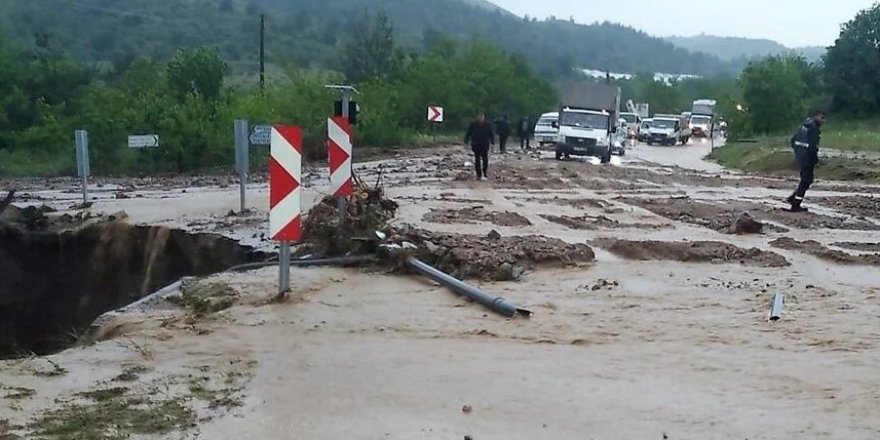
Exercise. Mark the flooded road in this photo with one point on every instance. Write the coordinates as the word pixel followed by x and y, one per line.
pixel 665 334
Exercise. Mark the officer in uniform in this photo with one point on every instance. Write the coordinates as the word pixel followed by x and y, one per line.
pixel 805 144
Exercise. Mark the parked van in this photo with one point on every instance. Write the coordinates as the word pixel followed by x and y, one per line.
pixel 545 129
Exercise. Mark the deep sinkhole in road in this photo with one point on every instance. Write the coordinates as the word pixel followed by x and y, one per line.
pixel 53 285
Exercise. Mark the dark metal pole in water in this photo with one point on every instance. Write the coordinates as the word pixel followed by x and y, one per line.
pixel 284 269
pixel 497 304
pixel 776 308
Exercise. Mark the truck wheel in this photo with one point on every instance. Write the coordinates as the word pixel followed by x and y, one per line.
pixel 650 144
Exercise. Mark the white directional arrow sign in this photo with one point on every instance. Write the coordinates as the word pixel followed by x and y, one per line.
pixel 435 113
pixel 143 141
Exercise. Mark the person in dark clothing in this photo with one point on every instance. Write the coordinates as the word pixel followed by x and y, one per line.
pixel 480 136
pixel 524 131
pixel 502 127
pixel 805 144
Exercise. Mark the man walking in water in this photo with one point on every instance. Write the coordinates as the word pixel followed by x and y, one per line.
pixel 805 144
pixel 479 135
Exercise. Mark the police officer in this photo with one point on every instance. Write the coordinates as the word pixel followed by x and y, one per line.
pixel 480 136
pixel 805 144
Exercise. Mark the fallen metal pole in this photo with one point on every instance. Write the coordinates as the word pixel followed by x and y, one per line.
pixel 776 308
pixel 496 304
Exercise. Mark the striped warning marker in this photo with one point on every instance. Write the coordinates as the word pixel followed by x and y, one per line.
pixel 285 192
pixel 339 151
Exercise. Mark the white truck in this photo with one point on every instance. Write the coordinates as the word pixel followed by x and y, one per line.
pixel 702 117
pixel 588 118
pixel 669 130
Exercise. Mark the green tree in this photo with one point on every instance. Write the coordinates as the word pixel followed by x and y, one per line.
pixel 853 63
pixel 369 51
pixel 776 93
pixel 197 72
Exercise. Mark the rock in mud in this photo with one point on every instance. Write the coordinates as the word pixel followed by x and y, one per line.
pixel 692 252
pixel 745 224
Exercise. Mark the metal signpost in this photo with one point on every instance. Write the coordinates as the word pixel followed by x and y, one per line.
pixel 285 196
pixel 345 92
pixel 82 161
pixel 242 165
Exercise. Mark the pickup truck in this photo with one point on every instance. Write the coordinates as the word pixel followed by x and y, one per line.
pixel 669 130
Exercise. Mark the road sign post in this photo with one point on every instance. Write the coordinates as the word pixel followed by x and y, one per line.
pixel 242 165
pixel 346 92
pixel 143 141
pixel 339 153
pixel 285 195
pixel 83 168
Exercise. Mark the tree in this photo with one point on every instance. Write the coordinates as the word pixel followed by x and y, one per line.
pixel 776 93
pixel 369 52
pixel 853 63
pixel 197 72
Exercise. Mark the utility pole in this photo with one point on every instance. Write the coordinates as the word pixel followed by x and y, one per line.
pixel 262 52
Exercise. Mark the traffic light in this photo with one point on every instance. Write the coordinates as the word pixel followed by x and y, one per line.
pixel 353 110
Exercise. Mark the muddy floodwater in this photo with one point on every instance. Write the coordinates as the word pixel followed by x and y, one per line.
pixel 650 298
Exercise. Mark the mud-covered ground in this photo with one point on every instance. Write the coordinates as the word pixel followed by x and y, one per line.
pixel 651 316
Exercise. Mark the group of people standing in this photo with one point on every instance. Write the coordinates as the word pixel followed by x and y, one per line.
pixel 481 137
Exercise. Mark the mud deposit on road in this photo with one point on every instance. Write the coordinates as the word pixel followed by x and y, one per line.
pixel 856 246
pixel 591 223
pixel 722 216
pixel 475 214
pixel 819 250
pixel 692 252
pixel 857 206
pixel 492 257
pixel 577 203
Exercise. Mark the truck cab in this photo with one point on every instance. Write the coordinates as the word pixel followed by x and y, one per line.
pixel 701 126
pixel 588 120
pixel 584 133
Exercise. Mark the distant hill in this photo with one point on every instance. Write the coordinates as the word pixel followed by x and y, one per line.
pixel 309 32
pixel 735 49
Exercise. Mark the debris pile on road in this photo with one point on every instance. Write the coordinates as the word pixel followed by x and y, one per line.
pixel 713 252
pixel 819 250
pixel 44 217
pixel 491 257
pixel 367 211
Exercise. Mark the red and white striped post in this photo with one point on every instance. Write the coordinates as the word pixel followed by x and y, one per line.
pixel 339 151
pixel 339 138
pixel 285 195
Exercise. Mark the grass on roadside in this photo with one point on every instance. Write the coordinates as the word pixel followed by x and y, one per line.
pixel 861 135
pixel 773 156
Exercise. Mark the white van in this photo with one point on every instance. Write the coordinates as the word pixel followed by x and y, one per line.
pixel 545 132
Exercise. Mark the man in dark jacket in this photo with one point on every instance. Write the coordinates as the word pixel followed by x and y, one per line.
pixel 502 127
pixel 480 137
pixel 805 144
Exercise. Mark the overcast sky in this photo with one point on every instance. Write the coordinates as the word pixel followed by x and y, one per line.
pixel 790 22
